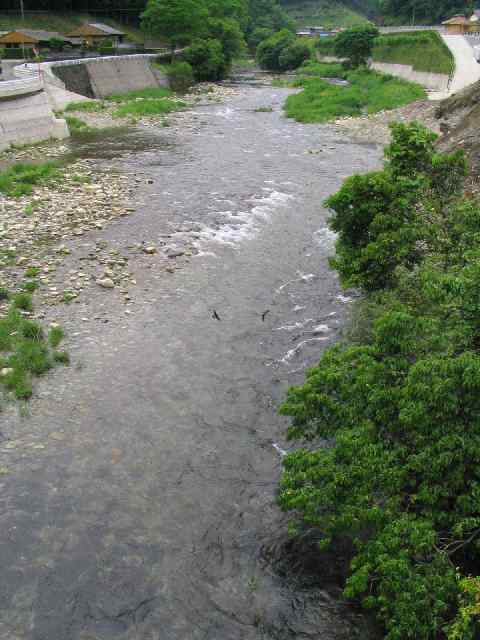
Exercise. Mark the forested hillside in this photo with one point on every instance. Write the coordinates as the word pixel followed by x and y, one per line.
pixel 426 11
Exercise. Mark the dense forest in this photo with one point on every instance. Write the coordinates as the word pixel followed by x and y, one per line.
pixel 427 11
pixel 397 10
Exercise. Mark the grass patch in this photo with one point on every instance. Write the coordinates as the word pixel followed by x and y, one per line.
pixel 24 352
pixel 30 286
pixel 77 126
pixel 32 272
pixel 23 301
pixel 369 92
pixel 148 107
pixel 55 336
pixel 89 107
pixel 424 50
pixel 153 93
pixel 322 69
pixel 263 110
pixel 19 179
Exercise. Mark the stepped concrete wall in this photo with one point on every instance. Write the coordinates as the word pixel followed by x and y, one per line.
pixel 29 118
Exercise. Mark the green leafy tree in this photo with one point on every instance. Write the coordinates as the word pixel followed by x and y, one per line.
pixel 207 59
pixel 383 219
pixel 228 32
pixel 269 51
pixel 392 471
pixel 356 44
pixel 294 55
pixel 176 21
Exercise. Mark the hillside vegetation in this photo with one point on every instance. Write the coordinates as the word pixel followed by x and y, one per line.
pixel 425 51
pixel 326 13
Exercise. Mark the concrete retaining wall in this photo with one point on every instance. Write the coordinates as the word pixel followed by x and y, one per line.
pixel 432 81
pixel 102 77
pixel 27 119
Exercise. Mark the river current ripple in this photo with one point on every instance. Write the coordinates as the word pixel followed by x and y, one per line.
pixel 155 518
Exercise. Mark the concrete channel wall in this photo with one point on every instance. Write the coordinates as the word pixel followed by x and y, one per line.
pixel 28 118
pixel 431 81
pixel 101 77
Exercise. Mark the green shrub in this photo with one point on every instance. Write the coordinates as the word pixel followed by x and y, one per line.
pixel 207 60
pixel 269 51
pixel 294 55
pixel 180 76
pixel 17 53
pixel 56 44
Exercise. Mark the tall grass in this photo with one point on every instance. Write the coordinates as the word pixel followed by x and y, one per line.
pixel 148 108
pixel 368 92
pixel 424 50
pixel 19 179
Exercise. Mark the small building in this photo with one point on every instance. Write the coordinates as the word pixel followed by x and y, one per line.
pixel 461 25
pixel 96 33
pixel 29 39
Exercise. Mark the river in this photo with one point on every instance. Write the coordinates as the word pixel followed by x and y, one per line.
pixel 141 499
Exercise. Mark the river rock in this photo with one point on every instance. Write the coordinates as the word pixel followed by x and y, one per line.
pixel 174 252
pixel 106 283
pixel 150 250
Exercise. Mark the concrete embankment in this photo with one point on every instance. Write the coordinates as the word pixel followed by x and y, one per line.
pixel 29 118
pixel 99 78
pixel 431 81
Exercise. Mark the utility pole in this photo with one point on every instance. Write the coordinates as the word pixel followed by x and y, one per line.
pixel 23 24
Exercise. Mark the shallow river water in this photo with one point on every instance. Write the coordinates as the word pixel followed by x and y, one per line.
pixel 143 507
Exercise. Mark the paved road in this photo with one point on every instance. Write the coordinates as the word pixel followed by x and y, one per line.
pixel 467 68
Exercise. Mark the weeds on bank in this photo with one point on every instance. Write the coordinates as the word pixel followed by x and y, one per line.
pixel 77 126
pixel 368 92
pixel 89 107
pixel 25 351
pixel 19 179
pixel 148 107
pixel 153 93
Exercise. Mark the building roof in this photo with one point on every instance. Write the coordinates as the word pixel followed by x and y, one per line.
pixel 457 20
pixel 18 37
pixel 95 29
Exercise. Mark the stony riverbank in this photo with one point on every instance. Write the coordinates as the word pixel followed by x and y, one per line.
pixel 375 128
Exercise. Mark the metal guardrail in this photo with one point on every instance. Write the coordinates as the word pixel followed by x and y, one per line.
pixel 27 80
pixel 402 29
